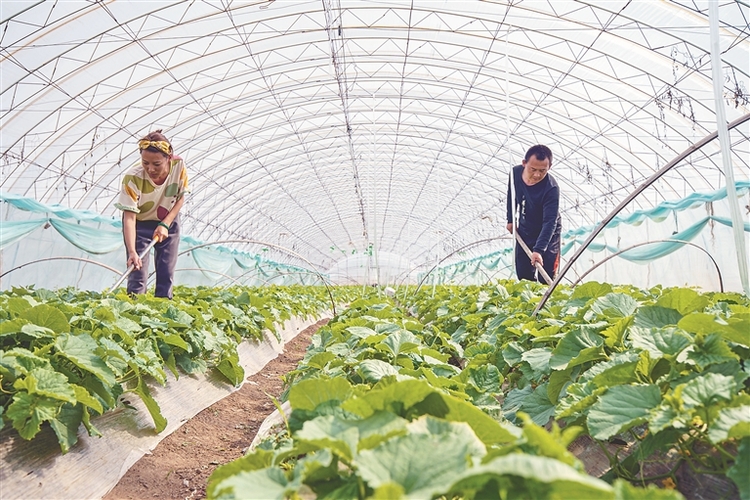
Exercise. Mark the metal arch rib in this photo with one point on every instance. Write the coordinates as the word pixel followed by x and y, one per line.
pixel 598 229
pixel 333 13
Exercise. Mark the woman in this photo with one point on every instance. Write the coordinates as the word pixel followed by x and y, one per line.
pixel 152 195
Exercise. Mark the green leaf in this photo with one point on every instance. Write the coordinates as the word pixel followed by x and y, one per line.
pixel 587 355
pixel 396 398
pixel 229 366
pixel 590 290
pixel 538 359
pixel 115 356
pixel 538 406
pixel 513 401
pixel 149 361
pixel 615 305
pixel 512 354
pixel 615 333
pixel 711 350
pixel 379 427
pixel 373 370
pixel 262 484
pixel 621 407
pixel 84 397
pixel 17 305
pixel 47 382
pixel 416 397
pixel 331 432
pixel 175 340
pixel 361 332
pixel 659 341
pixel 66 425
pixel 735 330
pixel 487 429
pixel 308 394
pixel 388 491
pixel 28 411
pixel 400 342
pixel 738 472
pixel 13 326
pixel 572 345
pixel 486 378
pixel 684 300
pixel 546 444
pixel 131 327
pixel 160 423
pixel 321 359
pixel 177 317
pixel 541 477
pixel 707 388
pixel 317 467
pixel 618 374
pixel 37 332
pixel 656 317
pixel 256 460
pixel 48 317
pixel 732 423
pixel 558 380
pixel 409 460
pixel 81 350
pixel 666 416
pixel 626 491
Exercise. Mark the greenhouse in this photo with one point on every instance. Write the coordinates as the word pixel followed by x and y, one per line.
pixel 354 180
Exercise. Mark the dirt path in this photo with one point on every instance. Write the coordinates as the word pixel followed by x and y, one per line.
pixel 180 465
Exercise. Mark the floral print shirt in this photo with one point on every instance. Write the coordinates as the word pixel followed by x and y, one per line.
pixel 139 194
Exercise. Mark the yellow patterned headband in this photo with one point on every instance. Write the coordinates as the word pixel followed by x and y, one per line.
pixel 162 146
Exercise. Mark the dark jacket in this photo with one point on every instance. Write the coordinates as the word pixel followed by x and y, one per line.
pixel 538 207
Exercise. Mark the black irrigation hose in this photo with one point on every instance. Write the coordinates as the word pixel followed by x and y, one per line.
pixel 718 271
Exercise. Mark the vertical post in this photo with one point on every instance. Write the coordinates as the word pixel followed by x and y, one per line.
pixel 511 180
pixel 738 225
pixel 375 199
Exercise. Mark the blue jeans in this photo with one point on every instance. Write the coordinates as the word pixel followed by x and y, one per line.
pixel 165 258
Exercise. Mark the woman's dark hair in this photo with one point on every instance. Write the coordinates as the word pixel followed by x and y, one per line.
pixel 156 136
pixel 540 152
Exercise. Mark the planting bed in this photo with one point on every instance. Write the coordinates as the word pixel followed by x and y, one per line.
pixel 182 462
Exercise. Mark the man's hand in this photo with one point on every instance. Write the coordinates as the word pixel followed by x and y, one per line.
pixel 510 227
pixel 536 257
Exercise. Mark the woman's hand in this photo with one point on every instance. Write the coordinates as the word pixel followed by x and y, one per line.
pixel 160 234
pixel 135 261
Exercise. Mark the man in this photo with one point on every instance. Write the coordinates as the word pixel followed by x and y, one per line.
pixel 537 198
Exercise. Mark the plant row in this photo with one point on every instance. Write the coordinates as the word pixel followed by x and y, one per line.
pixel 67 356
pixel 663 370
pixel 415 402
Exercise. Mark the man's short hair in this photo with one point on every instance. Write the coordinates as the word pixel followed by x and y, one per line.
pixel 540 152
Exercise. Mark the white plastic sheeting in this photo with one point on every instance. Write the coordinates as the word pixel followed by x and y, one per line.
pixel 332 127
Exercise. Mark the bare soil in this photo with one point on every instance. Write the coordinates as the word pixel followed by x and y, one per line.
pixel 180 465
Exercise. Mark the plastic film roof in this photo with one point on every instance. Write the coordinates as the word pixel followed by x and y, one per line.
pixel 356 127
